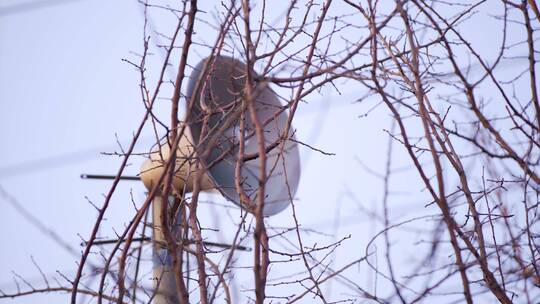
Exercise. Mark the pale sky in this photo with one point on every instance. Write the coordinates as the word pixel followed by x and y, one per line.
pixel 65 94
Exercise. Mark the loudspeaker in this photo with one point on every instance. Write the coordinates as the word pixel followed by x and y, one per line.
pixel 212 136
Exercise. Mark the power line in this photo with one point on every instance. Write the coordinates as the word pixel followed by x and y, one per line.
pixel 32 6
pixel 60 160
pixel 45 163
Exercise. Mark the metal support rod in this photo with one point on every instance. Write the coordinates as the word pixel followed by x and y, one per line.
pixel 148 239
pixel 101 176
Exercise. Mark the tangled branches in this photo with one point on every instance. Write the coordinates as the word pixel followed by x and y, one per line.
pixel 465 122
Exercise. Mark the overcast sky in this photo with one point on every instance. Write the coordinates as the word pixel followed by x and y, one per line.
pixel 66 95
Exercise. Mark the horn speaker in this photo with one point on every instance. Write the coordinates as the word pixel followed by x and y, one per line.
pixel 212 136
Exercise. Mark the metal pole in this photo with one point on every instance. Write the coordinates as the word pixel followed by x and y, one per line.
pixel 165 281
